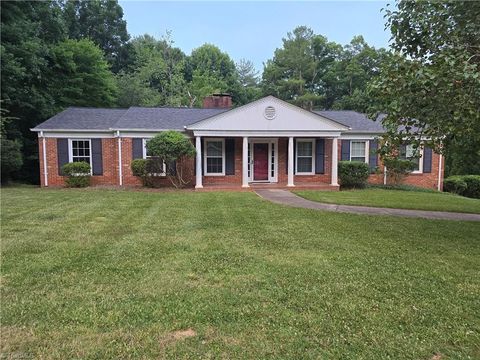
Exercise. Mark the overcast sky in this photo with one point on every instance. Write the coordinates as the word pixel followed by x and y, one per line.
pixel 253 30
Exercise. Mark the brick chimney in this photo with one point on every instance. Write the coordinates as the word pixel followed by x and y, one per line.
pixel 217 101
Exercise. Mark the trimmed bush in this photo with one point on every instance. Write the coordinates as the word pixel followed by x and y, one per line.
pixel 353 174
pixel 140 168
pixel 473 186
pixel 397 169
pixel 77 173
pixel 454 184
pixel 465 185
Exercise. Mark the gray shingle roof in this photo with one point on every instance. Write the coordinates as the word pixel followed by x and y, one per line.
pixel 163 118
pixel 75 118
pixel 358 122
pixel 167 118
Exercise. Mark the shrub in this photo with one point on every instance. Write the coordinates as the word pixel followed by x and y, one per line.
pixel 455 184
pixel 397 169
pixel 473 186
pixel 173 149
pixel 78 174
pixel 353 174
pixel 140 169
pixel 465 185
pixel 11 158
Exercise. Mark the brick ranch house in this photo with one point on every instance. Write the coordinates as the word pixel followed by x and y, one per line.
pixel 267 143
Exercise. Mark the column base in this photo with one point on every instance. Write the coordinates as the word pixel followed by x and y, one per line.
pixel 198 186
pixel 245 186
pixel 290 185
pixel 334 184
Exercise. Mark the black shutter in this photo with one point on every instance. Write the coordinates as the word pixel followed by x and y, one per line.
pixel 320 156
pixel 97 161
pixel 345 152
pixel 373 156
pixel 427 160
pixel 62 154
pixel 173 168
pixel 137 148
pixel 229 156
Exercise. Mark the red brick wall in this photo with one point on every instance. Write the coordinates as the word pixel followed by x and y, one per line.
pixel 110 167
pixel 109 156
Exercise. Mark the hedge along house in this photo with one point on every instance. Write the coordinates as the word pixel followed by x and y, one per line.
pixel 268 142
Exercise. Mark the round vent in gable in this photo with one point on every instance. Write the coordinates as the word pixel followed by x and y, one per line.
pixel 270 113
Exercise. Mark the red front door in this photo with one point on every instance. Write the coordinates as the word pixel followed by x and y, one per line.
pixel 260 162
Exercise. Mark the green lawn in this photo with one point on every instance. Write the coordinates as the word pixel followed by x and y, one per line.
pixel 116 274
pixel 400 199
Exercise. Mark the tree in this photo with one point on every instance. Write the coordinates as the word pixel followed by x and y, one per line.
pixel 157 78
pixel 174 150
pixel 209 70
pixel 80 75
pixel 28 31
pixel 431 87
pixel 248 82
pixel 312 72
pixel 102 22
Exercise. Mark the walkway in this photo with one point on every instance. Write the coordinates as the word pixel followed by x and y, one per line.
pixel 287 198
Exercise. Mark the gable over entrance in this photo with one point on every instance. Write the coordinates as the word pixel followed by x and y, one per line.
pixel 267 117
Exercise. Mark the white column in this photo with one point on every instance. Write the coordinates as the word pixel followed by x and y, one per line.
pixel 334 162
pixel 439 185
pixel 120 174
pixel 45 168
pixel 245 162
pixel 290 162
pixel 198 165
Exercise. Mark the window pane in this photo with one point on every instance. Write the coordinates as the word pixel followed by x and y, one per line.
pixel 304 164
pixel 361 159
pixel 214 165
pixel 358 149
pixel 304 148
pixel 214 148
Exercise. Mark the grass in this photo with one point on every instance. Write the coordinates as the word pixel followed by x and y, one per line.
pixel 417 200
pixel 119 274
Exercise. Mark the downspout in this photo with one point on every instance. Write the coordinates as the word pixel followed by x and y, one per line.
pixel 384 175
pixel 44 148
pixel 439 186
pixel 120 175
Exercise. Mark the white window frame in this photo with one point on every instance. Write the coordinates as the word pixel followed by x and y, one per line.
pixel 206 140
pixel 313 156
pixel 144 153
pixel 420 159
pixel 367 149
pixel 70 151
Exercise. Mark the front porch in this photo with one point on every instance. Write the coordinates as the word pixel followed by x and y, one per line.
pixel 266 143
pixel 266 162
pixel 276 186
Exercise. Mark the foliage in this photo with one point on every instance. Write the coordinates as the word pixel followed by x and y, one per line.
pixel 173 149
pixel 431 87
pixel 312 72
pixel 102 22
pixel 77 173
pixel 397 169
pixel 139 168
pixel 465 185
pixel 11 158
pixel 454 184
pixel 353 174
pixel 80 75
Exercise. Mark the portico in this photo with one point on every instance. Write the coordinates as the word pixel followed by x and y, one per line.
pixel 270 142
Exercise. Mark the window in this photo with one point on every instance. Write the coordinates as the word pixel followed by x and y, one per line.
pixel 157 169
pixel 215 157
pixel 304 160
pixel 358 151
pixel 80 150
pixel 407 152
